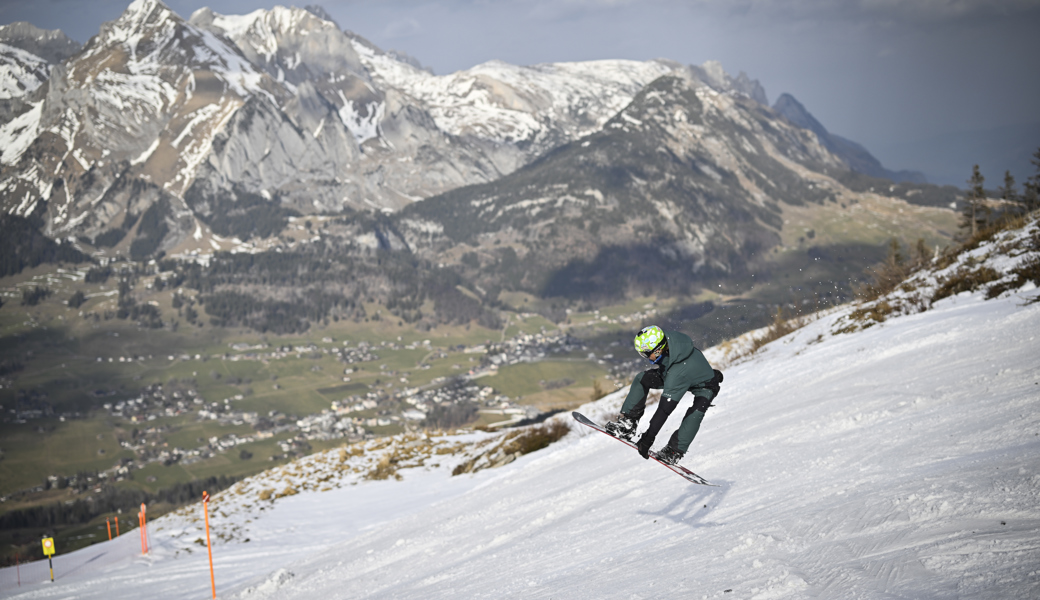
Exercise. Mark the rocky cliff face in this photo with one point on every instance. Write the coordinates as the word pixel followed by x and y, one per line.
pixel 52 45
pixel 122 126
pixel 27 55
pixel 277 112
pixel 684 183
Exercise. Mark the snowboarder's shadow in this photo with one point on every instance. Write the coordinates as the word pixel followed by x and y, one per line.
pixel 695 506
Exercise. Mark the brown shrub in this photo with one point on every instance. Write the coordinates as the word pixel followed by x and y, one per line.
pixel 964 280
pixel 537 437
pixel 288 491
pixel 875 313
pixel 1005 223
pixel 385 468
pixel 1028 271
pixel 517 443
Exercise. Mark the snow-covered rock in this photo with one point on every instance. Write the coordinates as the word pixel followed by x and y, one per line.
pixel 27 54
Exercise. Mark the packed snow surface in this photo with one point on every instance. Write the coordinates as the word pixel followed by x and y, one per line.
pixel 897 461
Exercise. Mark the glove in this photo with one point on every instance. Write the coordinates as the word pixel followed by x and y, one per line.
pixel 643 445
pixel 653 379
pixel 714 384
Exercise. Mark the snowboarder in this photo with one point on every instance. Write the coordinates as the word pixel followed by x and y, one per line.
pixel 678 367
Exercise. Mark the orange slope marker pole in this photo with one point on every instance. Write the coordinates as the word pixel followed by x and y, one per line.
pixel 209 547
pixel 117 526
pixel 140 526
pixel 144 526
pixel 108 524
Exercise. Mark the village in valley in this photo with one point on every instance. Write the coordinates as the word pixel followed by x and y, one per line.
pixel 194 418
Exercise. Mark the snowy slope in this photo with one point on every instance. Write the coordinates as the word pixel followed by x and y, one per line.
pixel 900 460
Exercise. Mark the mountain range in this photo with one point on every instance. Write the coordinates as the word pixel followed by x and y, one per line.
pixel 165 135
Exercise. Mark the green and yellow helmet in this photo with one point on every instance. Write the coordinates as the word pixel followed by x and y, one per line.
pixel 649 339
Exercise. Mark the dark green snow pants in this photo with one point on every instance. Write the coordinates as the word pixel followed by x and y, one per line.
pixel 635 405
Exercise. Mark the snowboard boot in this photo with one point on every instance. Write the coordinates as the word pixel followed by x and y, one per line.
pixel 669 455
pixel 623 428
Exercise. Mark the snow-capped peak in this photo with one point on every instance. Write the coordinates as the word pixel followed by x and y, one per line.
pixel 138 18
pixel 261 26
pixel 292 44
pixel 155 39
pixel 509 103
pixel 265 24
pixel 142 9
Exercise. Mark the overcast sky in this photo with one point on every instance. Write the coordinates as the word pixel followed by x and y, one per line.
pixel 889 74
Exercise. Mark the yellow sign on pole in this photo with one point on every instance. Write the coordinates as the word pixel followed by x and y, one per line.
pixel 48 546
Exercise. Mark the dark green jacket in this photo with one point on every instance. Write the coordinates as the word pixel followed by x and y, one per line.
pixel 685 368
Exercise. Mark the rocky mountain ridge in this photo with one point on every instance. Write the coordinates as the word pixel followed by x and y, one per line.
pixel 52 45
pixel 854 155
pixel 684 183
pixel 27 54
pixel 280 106
pixel 171 135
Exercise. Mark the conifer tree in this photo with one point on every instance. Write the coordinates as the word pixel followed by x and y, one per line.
pixel 1031 189
pixel 975 210
pixel 1008 193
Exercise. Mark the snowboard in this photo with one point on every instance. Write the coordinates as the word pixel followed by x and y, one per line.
pixel 683 472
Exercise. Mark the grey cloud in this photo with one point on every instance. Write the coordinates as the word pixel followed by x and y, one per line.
pixel 861 11
pixel 948 10
pixel 564 9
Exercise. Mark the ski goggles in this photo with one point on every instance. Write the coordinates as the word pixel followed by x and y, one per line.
pixel 656 354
